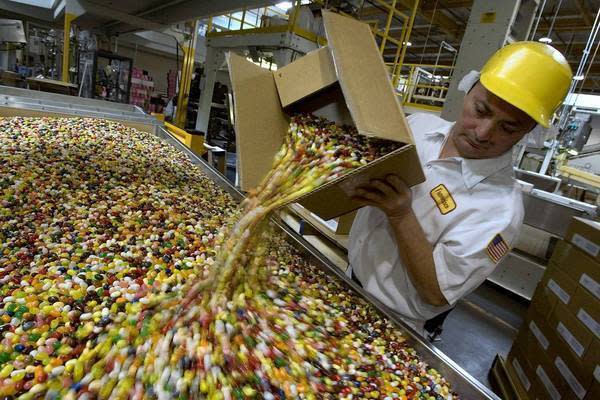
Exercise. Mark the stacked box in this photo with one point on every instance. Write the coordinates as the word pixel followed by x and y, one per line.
pixel 142 87
pixel 557 350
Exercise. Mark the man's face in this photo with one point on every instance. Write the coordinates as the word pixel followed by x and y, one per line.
pixel 488 126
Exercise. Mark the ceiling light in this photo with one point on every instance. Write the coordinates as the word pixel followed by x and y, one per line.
pixel 408 44
pixel 284 5
pixel 545 39
pixel 578 77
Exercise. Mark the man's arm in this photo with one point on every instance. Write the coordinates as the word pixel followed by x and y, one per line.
pixel 393 197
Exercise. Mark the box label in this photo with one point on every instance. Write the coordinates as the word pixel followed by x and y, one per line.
pixel 586 245
pixel 570 339
pixel 558 291
pixel 539 335
pixel 547 384
pixel 587 282
pixel 569 377
pixel 521 374
pixel 589 322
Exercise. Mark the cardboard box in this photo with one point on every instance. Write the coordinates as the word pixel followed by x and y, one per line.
pixel 587 310
pixel 344 223
pixel 594 391
pixel 345 82
pixel 536 338
pixel 585 234
pixel 555 286
pixel 554 386
pixel 574 335
pixel 577 381
pixel 520 372
pixel 591 359
pixel 578 266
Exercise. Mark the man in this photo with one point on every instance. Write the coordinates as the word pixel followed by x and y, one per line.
pixel 420 250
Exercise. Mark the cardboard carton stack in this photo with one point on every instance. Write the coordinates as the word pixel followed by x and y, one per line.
pixel 142 87
pixel 557 352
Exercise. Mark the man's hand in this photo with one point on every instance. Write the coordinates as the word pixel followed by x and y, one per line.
pixel 391 195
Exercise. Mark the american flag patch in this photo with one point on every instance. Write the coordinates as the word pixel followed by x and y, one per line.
pixel 497 248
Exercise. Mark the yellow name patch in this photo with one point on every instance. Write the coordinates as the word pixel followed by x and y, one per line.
pixel 443 199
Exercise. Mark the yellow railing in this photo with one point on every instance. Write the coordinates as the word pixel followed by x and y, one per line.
pixel 246 22
pixel 423 85
pixel 260 20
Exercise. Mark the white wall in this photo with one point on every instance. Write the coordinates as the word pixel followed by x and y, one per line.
pixel 157 65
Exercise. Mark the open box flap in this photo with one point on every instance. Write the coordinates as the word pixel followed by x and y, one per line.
pixel 305 76
pixel 364 79
pixel 259 116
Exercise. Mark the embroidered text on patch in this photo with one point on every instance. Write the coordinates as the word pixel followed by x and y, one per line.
pixel 497 248
pixel 443 199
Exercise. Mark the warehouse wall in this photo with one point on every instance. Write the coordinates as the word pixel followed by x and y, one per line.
pixel 157 65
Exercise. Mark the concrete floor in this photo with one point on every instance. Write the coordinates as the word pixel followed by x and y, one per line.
pixel 481 326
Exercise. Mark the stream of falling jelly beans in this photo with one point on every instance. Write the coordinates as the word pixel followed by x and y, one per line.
pixel 126 273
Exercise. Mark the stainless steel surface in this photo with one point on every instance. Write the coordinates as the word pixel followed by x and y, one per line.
pixel 552 213
pixel 463 383
pixel 539 181
pixel 76 106
pixel 518 274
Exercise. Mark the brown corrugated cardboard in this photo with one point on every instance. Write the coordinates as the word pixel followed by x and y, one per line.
pixel 573 334
pixel 587 309
pixel 577 380
pixel 578 266
pixel 542 301
pixel 556 286
pixel 344 223
pixel 532 337
pixel 360 94
pixel 552 382
pixel 520 372
pixel 594 391
pixel 591 358
pixel 316 72
pixel 364 79
pixel 259 122
pixel 585 234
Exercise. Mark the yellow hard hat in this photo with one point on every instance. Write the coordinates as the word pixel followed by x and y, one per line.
pixel 532 76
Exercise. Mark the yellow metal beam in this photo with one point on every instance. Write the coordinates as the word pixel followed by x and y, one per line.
pixel 66 45
pixel 193 142
pixel 189 52
pixel 580 176
pixel 399 59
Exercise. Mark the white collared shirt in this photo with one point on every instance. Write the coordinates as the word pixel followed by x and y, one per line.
pixel 463 230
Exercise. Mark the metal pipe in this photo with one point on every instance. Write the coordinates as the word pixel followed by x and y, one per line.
pixel 591 39
pixel 538 20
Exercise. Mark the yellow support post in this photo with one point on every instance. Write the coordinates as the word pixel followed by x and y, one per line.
pixel 66 45
pixel 388 23
pixel 408 31
pixel 189 51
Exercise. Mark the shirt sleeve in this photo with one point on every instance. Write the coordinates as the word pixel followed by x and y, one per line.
pixel 468 252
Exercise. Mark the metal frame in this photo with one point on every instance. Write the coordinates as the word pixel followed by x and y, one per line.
pixel 112 56
pixel 463 383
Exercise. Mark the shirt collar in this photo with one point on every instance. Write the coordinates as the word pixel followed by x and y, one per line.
pixel 473 170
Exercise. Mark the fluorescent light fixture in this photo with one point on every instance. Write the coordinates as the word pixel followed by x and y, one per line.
pixel 578 77
pixel 545 39
pixel 284 5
